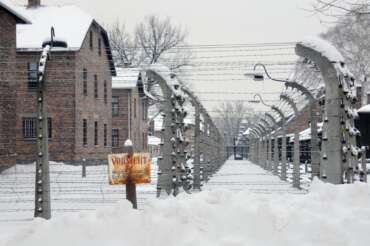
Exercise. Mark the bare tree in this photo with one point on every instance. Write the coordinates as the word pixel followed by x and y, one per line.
pixel 156 37
pixel 125 49
pixel 339 8
pixel 351 35
pixel 229 117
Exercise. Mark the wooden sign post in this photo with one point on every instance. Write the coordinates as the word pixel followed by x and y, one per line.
pixel 130 169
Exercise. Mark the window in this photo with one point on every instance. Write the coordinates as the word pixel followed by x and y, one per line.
pixel 30 128
pixel 99 46
pixel 134 107
pixel 84 77
pixel 50 128
pixel 143 110
pixel 84 132
pixel 91 40
pixel 115 106
pixel 96 86
pixel 96 142
pixel 105 92
pixel 32 75
pixel 115 138
pixel 105 135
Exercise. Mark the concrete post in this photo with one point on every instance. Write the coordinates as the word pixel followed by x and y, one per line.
pixel 283 143
pixel 42 178
pixel 339 134
pixel 296 162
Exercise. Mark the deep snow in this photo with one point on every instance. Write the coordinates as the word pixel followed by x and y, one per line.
pixel 328 215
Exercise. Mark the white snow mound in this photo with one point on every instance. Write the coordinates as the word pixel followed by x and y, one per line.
pixel 328 215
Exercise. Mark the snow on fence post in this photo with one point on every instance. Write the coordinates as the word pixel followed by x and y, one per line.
pixel 173 170
pixel 339 151
pixel 296 161
pixel 42 175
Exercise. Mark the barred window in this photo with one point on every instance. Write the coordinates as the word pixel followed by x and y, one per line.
pixel 96 86
pixel 84 78
pixel 99 46
pixel 96 131
pixel 115 138
pixel 105 92
pixel 105 135
pixel 91 43
pixel 30 127
pixel 84 132
pixel 32 74
pixel 115 106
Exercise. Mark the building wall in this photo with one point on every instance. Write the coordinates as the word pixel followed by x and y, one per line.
pixel 67 104
pixel 88 107
pixel 60 98
pixel 303 121
pixel 132 119
pixel 121 121
pixel 7 85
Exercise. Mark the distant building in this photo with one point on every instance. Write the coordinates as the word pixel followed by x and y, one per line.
pixel 129 110
pixel 78 84
pixel 9 18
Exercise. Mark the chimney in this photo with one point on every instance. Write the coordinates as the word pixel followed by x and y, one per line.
pixel 33 3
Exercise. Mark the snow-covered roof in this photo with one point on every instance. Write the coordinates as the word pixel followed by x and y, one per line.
pixel 126 78
pixel 153 140
pixel 70 24
pixel 324 47
pixel 364 109
pixel 14 10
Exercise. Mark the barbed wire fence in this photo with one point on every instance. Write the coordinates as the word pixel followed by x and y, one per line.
pixel 177 169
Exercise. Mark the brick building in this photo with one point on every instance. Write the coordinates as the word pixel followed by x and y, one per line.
pixel 9 18
pixel 78 84
pixel 129 110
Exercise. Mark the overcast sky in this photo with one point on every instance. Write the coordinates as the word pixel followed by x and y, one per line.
pixel 213 21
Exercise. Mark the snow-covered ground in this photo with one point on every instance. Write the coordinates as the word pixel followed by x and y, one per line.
pixel 241 205
pixel 70 193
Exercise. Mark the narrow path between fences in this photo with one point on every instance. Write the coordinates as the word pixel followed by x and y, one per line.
pixel 239 175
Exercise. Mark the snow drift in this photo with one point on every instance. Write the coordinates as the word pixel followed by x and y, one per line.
pixel 328 215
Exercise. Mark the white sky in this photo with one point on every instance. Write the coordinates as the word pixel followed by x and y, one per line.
pixel 213 21
pixel 217 22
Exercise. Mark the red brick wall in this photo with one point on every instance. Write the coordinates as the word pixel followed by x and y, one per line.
pixel 302 122
pixel 91 108
pixel 7 96
pixel 60 97
pixel 67 104
pixel 121 121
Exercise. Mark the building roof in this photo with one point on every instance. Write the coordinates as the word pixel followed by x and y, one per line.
pixel 14 10
pixel 364 110
pixel 126 78
pixel 70 24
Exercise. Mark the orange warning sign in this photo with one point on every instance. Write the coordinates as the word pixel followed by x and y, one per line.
pixel 122 167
